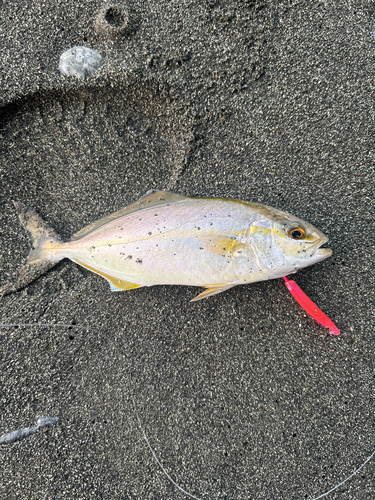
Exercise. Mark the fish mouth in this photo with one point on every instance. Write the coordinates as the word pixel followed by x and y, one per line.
pixel 322 253
pixel 318 254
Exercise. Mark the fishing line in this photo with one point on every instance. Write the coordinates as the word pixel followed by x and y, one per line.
pixel 347 479
pixel 62 325
pixel 158 461
pixel 79 327
pixel 46 325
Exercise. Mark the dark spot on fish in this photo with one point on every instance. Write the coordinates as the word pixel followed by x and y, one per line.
pixel 150 233
pixel 155 215
pixel 109 245
pixel 139 261
pixel 224 248
pixel 200 248
pixel 211 223
pixel 198 228
pixel 129 257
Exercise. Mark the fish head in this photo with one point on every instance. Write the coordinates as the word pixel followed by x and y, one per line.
pixel 282 243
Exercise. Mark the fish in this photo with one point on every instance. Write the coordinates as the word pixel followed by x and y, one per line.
pixel 170 239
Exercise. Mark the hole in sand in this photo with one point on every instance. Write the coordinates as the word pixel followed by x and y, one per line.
pixel 115 17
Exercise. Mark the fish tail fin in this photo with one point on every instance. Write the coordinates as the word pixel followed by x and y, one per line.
pixel 41 257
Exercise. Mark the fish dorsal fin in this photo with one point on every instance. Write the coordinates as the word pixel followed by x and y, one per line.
pixel 212 290
pixel 155 197
pixel 152 198
pixel 116 284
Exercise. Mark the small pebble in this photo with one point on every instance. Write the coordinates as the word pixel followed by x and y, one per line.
pixel 80 62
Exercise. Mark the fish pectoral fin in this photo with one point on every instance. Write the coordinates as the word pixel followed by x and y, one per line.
pixel 116 284
pixel 212 290
pixel 223 245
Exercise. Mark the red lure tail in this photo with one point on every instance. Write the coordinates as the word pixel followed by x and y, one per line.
pixel 309 306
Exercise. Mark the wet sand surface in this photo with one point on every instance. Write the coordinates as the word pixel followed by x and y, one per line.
pixel 240 396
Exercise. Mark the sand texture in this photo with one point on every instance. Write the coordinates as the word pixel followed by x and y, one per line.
pixel 240 396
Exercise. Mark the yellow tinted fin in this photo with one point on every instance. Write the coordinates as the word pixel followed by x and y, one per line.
pixel 213 290
pixel 116 284
pixel 151 198
pixel 220 245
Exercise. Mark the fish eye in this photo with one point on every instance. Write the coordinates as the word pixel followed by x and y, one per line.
pixel 296 231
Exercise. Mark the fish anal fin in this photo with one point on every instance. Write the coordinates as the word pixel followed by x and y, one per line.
pixel 152 198
pixel 212 290
pixel 116 284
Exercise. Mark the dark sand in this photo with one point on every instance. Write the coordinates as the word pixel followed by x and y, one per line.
pixel 240 396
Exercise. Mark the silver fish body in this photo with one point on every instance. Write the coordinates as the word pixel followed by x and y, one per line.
pixel 168 239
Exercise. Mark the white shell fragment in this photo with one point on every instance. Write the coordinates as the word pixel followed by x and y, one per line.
pixel 25 432
pixel 80 62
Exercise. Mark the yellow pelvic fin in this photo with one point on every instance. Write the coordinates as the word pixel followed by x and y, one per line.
pixel 116 284
pixel 212 290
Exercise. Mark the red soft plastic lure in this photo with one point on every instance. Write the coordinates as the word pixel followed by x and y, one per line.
pixel 309 306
